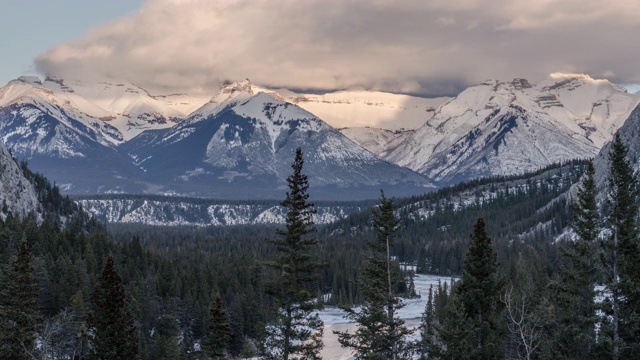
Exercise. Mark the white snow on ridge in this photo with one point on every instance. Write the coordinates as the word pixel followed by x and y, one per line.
pixel 125 108
pixel 376 140
pixel 173 213
pixel 369 108
pixel 495 128
pixel 528 126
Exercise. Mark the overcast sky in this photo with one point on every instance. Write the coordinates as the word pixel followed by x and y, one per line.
pixel 410 46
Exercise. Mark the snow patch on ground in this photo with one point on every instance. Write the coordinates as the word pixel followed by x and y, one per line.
pixel 334 320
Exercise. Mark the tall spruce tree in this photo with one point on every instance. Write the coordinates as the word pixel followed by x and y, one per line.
pixel 114 334
pixel 476 302
pixel 19 315
pixel 622 254
pixel 219 330
pixel 457 333
pixel 574 292
pixel 166 344
pixel 297 330
pixel 380 333
pixel 428 346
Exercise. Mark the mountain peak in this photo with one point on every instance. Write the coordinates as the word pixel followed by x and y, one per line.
pixel 520 84
pixel 573 81
pixel 34 80
pixel 228 87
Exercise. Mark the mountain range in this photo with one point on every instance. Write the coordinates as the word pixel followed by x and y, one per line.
pixel 237 145
pixel 504 128
pixel 118 138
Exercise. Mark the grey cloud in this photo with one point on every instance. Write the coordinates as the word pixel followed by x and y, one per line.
pixel 413 46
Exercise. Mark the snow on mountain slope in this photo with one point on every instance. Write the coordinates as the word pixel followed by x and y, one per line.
pixel 373 139
pixel 369 108
pixel 630 136
pixel 27 105
pixel 184 103
pixel 162 210
pixel 17 194
pixel 242 137
pixel 499 128
pixel 130 108
pixel 120 110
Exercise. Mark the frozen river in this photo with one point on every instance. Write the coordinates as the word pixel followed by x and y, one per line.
pixel 411 313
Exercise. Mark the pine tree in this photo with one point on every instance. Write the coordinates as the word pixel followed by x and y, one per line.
pixel 114 334
pixel 219 330
pixel 457 333
pixel 297 330
pixel 166 345
pixel 622 254
pixel 476 302
pixel 429 345
pixel 19 315
pixel 380 333
pixel 574 294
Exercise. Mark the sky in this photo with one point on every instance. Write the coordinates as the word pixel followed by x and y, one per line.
pixel 29 27
pixel 426 48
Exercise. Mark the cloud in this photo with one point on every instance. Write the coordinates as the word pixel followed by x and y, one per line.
pixel 422 47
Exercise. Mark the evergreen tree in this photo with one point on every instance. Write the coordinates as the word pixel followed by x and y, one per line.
pixel 457 333
pixel 297 330
pixel 114 334
pixel 575 293
pixel 380 334
pixel 429 345
pixel 219 330
pixel 165 339
pixel 19 315
pixel 476 302
pixel 622 254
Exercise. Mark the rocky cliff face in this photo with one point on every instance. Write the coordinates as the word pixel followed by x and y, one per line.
pixel 17 194
pixel 630 136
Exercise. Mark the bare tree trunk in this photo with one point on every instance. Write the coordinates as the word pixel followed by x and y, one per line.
pixel 390 312
pixel 522 325
pixel 615 301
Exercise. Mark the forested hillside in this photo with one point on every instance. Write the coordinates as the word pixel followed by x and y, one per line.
pixel 180 285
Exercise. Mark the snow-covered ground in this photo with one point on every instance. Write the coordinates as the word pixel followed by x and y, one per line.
pixel 411 313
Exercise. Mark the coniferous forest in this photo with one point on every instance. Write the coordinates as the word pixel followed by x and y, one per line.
pixel 542 271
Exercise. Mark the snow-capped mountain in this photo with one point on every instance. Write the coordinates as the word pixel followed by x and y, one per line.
pixel 29 99
pixel 501 128
pixel 246 140
pixel 356 109
pixel 48 128
pixel 117 137
pixel 373 119
pixel 116 112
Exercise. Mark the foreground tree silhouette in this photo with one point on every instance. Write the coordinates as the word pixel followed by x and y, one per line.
pixel 297 331
pixel 472 330
pixel 19 316
pixel 621 255
pixel 381 334
pixel 574 292
pixel 114 334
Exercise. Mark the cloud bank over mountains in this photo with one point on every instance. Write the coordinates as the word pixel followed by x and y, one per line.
pixel 419 47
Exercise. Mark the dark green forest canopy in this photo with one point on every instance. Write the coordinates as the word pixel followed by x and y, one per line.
pixel 176 272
